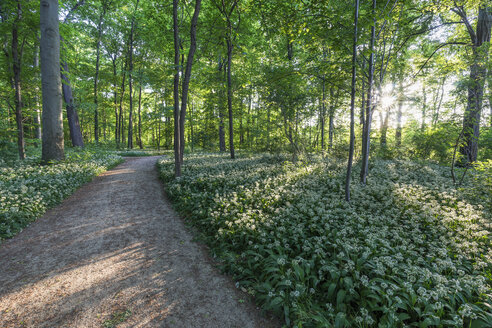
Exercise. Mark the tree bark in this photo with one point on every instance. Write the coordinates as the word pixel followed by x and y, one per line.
pixel 366 140
pixel 331 119
pixel 37 114
pixel 399 114
pixel 187 76
pixel 72 116
pixel 352 105
pixel 177 147
pixel 322 116
pixel 229 97
pixel 478 72
pixel 96 78
pixel 17 59
pixel 140 144
pixel 130 80
pixel 424 107
pixel 222 146
pixel 53 146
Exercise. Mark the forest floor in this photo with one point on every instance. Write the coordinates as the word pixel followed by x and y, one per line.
pixel 116 254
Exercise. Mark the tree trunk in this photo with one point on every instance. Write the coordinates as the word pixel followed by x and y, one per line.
pixel 192 141
pixel 366 140
pixel 140 144
pixel 187 76
pixel 352 105
pixel 53 147
pixel 331 119
pixel 229 97
pixel 98 51
pixel 17 59
pixel 478 72
pixel 130 80
pixel 399 114
pixel 424 107
pixel 322 116
pixel 72 116
pixel 384 129
pixel 120 114
pixel 115 100
pixel 222 146
pixel 37 114
pixel 177 147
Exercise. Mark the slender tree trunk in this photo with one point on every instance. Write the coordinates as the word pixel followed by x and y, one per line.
pixel 37 114
pixel 187 76
pixel 121 134
pixel 229 97
pixel 399 114
pixel 366 142
pixel 352 105
pixel 222 146
pixel 384 129
pixel 331 119
pixel 115 100
pixel 130 80
pixel 53 147
pixel 322 116
pixel 96 78
pixel 241 128
pixel 72 116
pixel 191 126
pixel 17 59
pixel 424 107
pixel 362 118
pixel 177 147
pixel 140 143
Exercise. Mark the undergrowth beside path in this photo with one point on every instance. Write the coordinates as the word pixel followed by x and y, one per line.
pixel 409 250
pixel 28 189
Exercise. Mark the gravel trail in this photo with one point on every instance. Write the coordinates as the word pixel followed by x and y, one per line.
pixel 115 254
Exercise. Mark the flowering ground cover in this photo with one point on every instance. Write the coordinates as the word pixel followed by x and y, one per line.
pixel 28 189
pixel 409 250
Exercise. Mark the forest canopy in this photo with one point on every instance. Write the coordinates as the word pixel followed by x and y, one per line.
pixel 264 75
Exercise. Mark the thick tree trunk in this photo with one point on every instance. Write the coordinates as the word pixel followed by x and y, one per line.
pixel 352 105
pixel 478 72
pixel 366 140
pixel 53 147
pixel 17 58
pixel 187 76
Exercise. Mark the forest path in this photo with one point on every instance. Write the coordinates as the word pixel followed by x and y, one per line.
pixel 116 254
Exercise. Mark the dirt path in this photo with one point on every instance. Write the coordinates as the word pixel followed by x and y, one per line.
pixel 116 253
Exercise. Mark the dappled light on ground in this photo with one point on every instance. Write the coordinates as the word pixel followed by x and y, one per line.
pixel 115 249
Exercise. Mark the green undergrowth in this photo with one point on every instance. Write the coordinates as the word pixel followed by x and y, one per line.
pixel 28 189
pixel 410 250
